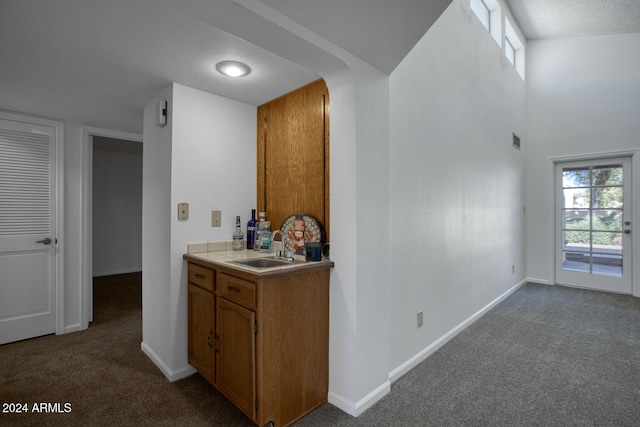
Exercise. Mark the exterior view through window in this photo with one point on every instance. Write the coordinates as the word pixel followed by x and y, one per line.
pixel 592 219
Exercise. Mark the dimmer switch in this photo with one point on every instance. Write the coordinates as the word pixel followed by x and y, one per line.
pixel 183 211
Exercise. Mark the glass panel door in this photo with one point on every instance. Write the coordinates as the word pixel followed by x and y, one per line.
pixel 592 227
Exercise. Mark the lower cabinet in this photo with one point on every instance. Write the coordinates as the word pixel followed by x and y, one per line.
pixel 201 322
pixel 268 353
pixel 235 355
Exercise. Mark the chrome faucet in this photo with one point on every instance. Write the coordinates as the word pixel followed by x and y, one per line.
pixel 281 252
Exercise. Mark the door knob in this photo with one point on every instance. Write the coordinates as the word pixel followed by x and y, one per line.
pixel 45 241
pixel 627 231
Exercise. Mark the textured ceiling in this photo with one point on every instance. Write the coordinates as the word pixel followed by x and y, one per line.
pixel 99 62
pixel 542 19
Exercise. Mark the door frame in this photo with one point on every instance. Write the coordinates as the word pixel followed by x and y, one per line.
pixel 59 210
pixel 86 239
pixel 635 194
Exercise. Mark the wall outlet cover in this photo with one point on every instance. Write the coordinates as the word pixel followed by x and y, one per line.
pixel 216 218
pixel 183 211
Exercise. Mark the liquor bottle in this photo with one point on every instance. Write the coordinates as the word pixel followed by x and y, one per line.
pixel 238 236
pixel 251 230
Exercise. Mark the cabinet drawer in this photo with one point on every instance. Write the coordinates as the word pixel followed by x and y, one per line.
pixel 237 290
pixel 201 277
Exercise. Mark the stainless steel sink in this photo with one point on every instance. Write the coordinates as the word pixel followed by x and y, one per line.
pixel 262 262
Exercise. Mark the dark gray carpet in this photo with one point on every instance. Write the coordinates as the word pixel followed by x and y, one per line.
pixel 546 356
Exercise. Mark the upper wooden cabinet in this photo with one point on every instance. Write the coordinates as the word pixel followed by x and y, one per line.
pixel 293 155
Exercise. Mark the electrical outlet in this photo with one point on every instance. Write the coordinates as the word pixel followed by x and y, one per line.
pixel 183 211
pixel 216 218
pixel 420 319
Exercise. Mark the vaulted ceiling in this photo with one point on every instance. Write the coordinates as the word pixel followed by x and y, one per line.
pixel 99 62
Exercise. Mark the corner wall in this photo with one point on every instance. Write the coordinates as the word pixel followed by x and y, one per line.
pixel 205 156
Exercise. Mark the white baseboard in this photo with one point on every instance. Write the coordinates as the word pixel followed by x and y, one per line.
pixel 118 271
pixel 72 328
pixel 422 355
pixel 172 375
pixel 357 408
pixel 539 281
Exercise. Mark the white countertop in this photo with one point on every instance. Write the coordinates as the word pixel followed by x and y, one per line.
pixel 226 258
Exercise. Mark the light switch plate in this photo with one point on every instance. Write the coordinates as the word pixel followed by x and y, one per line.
pixel 216 218
pixel 183 211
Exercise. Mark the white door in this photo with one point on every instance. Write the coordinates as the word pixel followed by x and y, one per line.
pixel 27 230
pixel 593 224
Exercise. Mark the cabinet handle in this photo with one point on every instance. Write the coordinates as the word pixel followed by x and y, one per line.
pixel 209 339
pixel 199 276
pixel 232 289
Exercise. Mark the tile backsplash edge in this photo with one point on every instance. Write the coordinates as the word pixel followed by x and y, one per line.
pixel 199 247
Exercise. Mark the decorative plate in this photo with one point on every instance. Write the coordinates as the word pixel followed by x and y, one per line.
pixel 300 228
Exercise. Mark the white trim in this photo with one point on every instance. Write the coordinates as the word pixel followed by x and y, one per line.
pixel 60 207
pixel 73 328
pixel 60 219
pixel 115 272
pixel 512 38
pixel 635 241
pixel 538 281
pixel 86 238
pixel 428 351
pixel 356 409
pixel 494 19
pixel 172 376
pixel 635 189
pixel 595 156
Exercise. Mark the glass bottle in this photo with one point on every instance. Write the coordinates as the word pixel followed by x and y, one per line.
pixel 257 240
pixel 265 236
pixel 251 230
pixel 238 236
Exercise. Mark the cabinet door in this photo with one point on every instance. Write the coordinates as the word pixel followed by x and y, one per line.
pixel 293 155
pixel 201 327
pixel 235 355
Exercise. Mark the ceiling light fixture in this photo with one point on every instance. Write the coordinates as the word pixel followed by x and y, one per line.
pixel 233 68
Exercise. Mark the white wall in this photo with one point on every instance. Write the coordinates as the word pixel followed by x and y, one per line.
pixel 583 98
pixel 375 134
pixel 457 183
pixel 158 297
pixel 73 226
pixel 206 156
pixel 117 207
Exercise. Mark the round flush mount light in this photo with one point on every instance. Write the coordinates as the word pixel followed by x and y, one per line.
pixel 233 68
